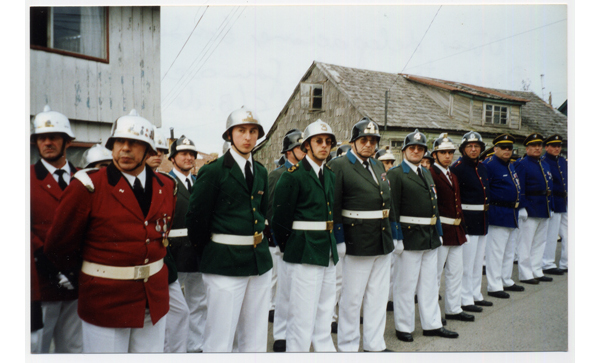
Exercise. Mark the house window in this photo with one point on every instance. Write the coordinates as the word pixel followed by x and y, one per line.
pixel 496 115
pixel 312 96
pixel 397 144
pixel 75 31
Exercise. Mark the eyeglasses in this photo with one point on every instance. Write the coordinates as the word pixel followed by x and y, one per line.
pixel 505 147
pixel 326 141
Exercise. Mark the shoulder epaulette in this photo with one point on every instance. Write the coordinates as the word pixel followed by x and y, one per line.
pixel 210 161
pixel 84 178
pixel 173 179
pixel 293 168
pixel 328 167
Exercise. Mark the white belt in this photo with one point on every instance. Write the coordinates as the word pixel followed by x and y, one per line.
pixel 480 207
pixel 452 221
pixel 418 220
pixel 364 214
pixel 312 226
pixel 122 273
pixel 178 232
pixel 237 240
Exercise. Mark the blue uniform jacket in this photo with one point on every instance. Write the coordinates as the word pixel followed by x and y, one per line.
pixel 558 168
pixel 536 185
pixel 473 182
pixel 504 189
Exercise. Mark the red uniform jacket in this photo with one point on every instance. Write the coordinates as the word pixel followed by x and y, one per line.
pixel 449 204
pixel 45 195
pixel 107 226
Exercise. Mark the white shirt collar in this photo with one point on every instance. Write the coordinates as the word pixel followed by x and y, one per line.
pixel 413 166
pixel 445 170
pixel 51 169
pixel 183 177
pixel 241 161
pixel 141 176
pixel 314 165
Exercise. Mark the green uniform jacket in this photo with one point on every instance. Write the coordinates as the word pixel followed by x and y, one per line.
pixel 221 203
pixel 412 198
pixel 299 196
pixel 355 189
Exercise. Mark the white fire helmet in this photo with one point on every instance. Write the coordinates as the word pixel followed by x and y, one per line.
pixel 160 141
pixel 242 116
pixel 318 128
pixel 96 154
pixel 49 121
pixel 133 127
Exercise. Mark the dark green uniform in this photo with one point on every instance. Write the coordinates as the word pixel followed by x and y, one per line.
pixel 221 203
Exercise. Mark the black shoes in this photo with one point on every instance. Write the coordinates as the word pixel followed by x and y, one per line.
pixel 530 281
pixel 271 315
pixel 472 308
pixel 553 271
pixel 462 316
pixel 334 328
pixel 279 346
pixel 544 279
pixel 390 306
pixel 499 294
pixel 514 287
pixel 380 351
pixel 405 337
pixel 484 303
pixel 564 270
pixel 444 322
pixel 441 332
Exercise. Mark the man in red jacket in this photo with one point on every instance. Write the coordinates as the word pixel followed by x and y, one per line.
pixel 451 216
pixel 48 178
pixel 116 220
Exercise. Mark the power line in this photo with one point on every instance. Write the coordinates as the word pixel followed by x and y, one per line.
pixel 495 41
pixel 188 38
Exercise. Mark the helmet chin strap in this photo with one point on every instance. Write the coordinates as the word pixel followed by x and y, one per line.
pixel 236 148
pixel 294 153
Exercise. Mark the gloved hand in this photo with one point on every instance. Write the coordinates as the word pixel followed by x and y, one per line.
pixel 551 214
pixel 278 251
pixel 523 214
pixel 399 247
pixel 64 282
pixel 441 240
pixel 341 249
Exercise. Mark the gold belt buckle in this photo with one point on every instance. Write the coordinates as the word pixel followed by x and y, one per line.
pixel 329 225
pixel 486 207
pixel 257 238
pixel 141 272
pixel 433 220
pixel 386 213
pixel 457 221
pixel 517 205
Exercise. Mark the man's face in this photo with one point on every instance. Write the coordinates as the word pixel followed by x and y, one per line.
pixel 319 147
pixel 295 155
pixel 364 146
pixel 50 145
pixel 155 160
pixel 129 155
pixel 554 149
pixel 534 150
pixel 426 163
pixel 244 137
pixel 444 157
pixel 414 153
pixel 503 151
pixel 473 150
pixel 183 161
pixel 387 164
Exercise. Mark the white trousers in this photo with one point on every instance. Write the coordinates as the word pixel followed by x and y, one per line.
pixel 416 270
pixel 366 282
pixel 339 270
pixel 149 339
pixel 36 341
pixel 274 273
pixel 452 256
pixel 558 226
pixel 496 255
pixel 311 304
pixel 509 258
pixel 238 309
pixel 282 298
pixel 195 298
pixel 531 247
pixel 177 321
pixel 473 252
pixel 62 324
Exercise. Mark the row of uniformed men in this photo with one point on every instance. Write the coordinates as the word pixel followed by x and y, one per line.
pixel 122 294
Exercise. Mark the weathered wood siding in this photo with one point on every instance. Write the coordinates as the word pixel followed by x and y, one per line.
pixel 94 94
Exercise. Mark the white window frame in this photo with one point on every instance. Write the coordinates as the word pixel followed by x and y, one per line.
pixel 494 111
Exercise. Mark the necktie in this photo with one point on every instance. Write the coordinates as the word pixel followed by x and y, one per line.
pixel 449 177
pixel 421 175
pixel 138 191
pixel 189 185
pixel 366 164
pixel 249 176
pixel 61 182
pixel 321 178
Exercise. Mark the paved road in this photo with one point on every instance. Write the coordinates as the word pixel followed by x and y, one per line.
pixel 533 320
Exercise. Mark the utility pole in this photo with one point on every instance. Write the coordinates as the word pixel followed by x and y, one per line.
pixel 543 87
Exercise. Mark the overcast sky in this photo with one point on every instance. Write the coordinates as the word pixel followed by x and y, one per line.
pixel 256 55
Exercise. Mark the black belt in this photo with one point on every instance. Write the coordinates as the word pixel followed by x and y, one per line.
pixel 505 204
pixel 560 194
pixel 538 193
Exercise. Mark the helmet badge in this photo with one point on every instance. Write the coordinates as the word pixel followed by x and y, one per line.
pixel 472 137
pixel 186 141
pixel 48 124
pixel 418 136
pixel 323 127
pixel 370 129
pixel 250 118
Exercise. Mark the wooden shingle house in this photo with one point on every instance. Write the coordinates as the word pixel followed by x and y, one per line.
pixel 341 96
pixel 94 64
